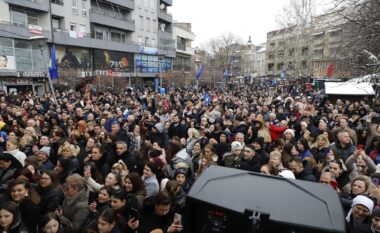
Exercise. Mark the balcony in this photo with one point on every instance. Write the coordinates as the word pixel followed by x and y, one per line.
pixel 168 2
pixel 58 9
pixel 165 16
pixel 130 4
pixel 105 18
pixel 164 35
pixel 7 29
pixel 37 5
pixel 63 37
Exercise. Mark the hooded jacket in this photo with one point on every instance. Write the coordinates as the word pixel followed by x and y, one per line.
pixel 307 173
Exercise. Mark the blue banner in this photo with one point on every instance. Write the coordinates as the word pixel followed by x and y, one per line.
pixel 53 70
pixel 200 72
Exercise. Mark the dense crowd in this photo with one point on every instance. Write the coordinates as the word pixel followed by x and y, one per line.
pixel 103 162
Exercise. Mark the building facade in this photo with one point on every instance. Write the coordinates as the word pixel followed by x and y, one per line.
pixel 95 40
pixel 259 61
pixel 306 52
pixel 182 65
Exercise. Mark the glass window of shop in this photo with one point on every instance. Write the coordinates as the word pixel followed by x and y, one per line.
pixel 6 46
pixel 22 18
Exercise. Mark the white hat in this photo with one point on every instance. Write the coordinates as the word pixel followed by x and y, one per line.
pixel 289 131
pixel 236 146
pixel 287 174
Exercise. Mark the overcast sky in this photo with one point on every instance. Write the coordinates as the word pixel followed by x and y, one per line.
pixel 212 18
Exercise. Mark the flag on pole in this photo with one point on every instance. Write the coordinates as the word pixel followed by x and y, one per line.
pixel 53 70
pixel 225 74
pixel 200 72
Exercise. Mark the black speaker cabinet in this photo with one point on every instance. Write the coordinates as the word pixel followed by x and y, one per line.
pixel 225 200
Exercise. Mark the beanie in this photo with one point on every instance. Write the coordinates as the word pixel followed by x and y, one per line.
pixel 260 141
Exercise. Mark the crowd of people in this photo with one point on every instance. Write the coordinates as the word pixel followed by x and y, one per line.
pixel 109 163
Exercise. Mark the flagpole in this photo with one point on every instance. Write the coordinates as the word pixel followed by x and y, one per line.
pixel 48 75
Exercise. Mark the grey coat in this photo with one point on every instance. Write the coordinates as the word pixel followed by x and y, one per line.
pixel 76 210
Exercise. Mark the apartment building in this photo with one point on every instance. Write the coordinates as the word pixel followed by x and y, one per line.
pixel 94 39
pixel 182 64
pixel 259 61
pixel 306 52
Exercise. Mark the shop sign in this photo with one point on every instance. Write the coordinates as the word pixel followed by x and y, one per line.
pixel 31 74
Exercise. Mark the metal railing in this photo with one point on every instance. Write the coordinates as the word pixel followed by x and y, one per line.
pixel 111 14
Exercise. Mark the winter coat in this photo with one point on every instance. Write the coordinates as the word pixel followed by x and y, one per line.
pixel 181 157
pixel 252 165
pixel 19 155
pixel 306 174
pixel 51 199
pixel 343 152
pixel 353 168
pixel 76 210
pixel 151 186
pixel 30 214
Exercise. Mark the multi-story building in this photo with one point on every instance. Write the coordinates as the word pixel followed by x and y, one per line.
pixel 259 58
pixel 182 64
pixel 306 52
pixel 94 40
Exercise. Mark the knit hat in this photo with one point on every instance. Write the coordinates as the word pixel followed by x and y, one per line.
pixel 236 146
pixel 260 141
pixel 361 200
pixel 289 131
pixel 287 174
pixel 180 171
pixel 45 150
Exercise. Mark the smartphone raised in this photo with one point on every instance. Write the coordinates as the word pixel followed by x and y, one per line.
pixel 376 181
pixel 133 213
pixel 177 219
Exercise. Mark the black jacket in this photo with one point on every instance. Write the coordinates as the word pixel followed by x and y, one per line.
pixel 306 174
pixel 51 199
pixel 252 165
pixel 30 214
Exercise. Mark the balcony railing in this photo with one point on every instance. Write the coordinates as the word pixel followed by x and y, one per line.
pixel 111 19
pixel 38 5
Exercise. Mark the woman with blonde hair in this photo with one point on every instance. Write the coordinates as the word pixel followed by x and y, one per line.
pixel 121 168
pixel 320 147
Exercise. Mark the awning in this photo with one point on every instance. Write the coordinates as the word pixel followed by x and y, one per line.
pixel 350 87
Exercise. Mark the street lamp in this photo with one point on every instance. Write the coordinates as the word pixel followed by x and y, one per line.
pixel 36 38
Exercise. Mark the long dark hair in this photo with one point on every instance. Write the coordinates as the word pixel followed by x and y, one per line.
pixel 137 183
pixel 32 194
pixel 65 226
pixel 11 207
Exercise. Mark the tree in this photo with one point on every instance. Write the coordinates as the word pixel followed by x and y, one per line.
pixel 361 34
pixel 294 38
pixel 225 52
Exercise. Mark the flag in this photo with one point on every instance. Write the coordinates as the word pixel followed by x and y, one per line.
pixel 200 72
pixel 206 98
pixel 225 74
pixel 330 70
pixel 53 70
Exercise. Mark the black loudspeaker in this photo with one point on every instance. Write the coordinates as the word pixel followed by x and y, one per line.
pixel 225 200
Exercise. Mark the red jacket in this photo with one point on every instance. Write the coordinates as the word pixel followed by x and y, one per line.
pixel 276 131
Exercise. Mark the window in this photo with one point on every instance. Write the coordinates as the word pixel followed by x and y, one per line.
pixel 148 24
pixel 305 51
pixel 84 8
pixel 116 36
pixel 73 27
pixel 122 38
pixel 146 40
pixel 141 23
pixel 280 66
pixel 56 24
pixel 140 40
pixel 270 67
pixel 18 18
pixel 74 7
pixel 154 26
pixel 32 18
pixel 99 34
pixel 154 42
pixel 270 56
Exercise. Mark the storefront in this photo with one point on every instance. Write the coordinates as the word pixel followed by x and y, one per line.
pixel 22 67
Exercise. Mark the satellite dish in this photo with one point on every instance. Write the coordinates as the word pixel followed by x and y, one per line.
pixel 162 6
